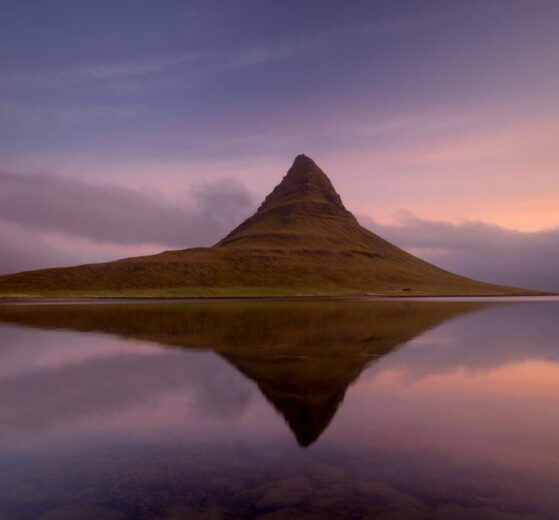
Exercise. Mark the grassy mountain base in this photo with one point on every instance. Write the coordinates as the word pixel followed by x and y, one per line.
pixel 187 274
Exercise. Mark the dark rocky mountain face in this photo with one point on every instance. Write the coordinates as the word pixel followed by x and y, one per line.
pixel 304 180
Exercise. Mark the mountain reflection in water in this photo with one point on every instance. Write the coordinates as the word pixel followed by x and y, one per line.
pixel 154 410
pixel 302 355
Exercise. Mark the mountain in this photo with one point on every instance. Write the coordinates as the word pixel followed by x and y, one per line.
pixel 302 355
pixel 301 241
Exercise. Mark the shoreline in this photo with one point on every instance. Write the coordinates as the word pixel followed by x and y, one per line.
pixel 7 300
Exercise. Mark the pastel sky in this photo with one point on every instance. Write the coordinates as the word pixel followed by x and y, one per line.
pixel 430 114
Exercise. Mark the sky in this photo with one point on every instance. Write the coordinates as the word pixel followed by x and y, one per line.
pixel 128 127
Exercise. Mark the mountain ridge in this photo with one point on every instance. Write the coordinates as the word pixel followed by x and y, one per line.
pixel 301 241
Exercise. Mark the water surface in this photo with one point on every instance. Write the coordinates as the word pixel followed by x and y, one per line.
pixel 280 409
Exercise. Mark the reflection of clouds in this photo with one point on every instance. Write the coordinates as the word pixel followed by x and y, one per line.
pixel 29 350
pixel 479 393
pixel 479 342
pixel 224 394
pixel 109 384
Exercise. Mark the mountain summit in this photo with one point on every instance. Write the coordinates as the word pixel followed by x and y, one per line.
pixel 301 208
pixel 301 241
pixel 304 182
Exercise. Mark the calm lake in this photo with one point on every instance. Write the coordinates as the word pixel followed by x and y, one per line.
pixel 322 409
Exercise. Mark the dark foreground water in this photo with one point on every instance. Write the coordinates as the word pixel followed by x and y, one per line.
pixel 280 410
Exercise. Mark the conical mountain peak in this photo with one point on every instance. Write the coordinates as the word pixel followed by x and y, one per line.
pixel 303 160
pixel 302 211
pixel 304 182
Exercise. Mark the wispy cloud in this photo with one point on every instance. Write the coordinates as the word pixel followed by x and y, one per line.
pixel 197 62
pixel 194 62
pixel 48 78
pixel 387 26
pixel 33 116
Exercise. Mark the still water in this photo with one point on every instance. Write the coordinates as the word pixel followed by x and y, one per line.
pixel 280 410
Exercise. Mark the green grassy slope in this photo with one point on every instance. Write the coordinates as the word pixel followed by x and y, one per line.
pixel 301 241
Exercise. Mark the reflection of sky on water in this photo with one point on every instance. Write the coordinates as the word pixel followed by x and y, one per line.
pixel 62 384
pixel 463 411
pixel 480 342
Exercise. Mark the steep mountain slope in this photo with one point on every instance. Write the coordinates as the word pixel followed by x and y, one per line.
pixel 302 240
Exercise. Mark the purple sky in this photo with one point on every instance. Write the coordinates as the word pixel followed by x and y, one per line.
pixel 129 127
